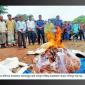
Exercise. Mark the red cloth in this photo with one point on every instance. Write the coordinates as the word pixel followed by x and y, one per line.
pixel 65 27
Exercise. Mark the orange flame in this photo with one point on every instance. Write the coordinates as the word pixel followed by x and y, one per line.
pixel 55 40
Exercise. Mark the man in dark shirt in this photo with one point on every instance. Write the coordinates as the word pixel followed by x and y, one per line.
pixel 66 35
pixel 40 25
pixel 16 19
pixel 59 23
pixel 69 28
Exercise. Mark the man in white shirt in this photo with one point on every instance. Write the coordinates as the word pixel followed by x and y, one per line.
pixel 3 30
pixel 30 25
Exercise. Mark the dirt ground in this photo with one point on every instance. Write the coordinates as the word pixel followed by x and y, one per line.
pixel 76 45
pixel 22 54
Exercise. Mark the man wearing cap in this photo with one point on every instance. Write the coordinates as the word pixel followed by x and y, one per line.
pixel 30 25
pixel 13 18
pixel 21 27
pixel 75 29
pixel 58 23
pixel 16 19
pixel 3 30
pixel 40 29
pixel 10 25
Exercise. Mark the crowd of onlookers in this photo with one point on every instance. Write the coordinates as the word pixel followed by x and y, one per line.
pixel 16 31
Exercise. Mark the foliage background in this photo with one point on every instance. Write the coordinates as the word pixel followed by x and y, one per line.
pixel 3 10
pixel 25 16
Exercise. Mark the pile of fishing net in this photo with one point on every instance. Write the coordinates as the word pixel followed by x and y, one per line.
pixel 56 60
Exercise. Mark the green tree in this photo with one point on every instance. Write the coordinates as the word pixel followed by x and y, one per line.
pixel 25 16
pixel 3 10
pixel 79 19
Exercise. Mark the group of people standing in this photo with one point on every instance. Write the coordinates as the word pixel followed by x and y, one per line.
pixel 17 30
pixel 67 29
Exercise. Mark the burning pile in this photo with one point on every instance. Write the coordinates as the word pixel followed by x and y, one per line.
pixel 56 59
pixel 55 40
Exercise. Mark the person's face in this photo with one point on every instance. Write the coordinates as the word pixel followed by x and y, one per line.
pixel 21 18
pixel 17 19
pixel 81 22
pixel 65 23
pixel 49 21
pixel 68 22
pixel 40 17
pixel 1 17
pixel 76 22
pixel 9 17
pixel 30 18
pixel 57 18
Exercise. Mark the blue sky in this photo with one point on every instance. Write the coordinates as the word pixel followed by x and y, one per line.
pixel 67 13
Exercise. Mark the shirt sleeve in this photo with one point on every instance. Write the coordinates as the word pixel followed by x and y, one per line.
pixel 24 26
pixel 61 23
pixel 45 28
pixel 73 27
pixel 37 22
pixel 70 27
pixel 34 25
pixel 17 26
pixel 43 22
pixel 27 24
pixel 5 26
pixel 66 27
pixel 52 25
pixel 6 22
pixel 14 25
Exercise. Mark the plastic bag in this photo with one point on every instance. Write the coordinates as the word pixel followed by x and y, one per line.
pixel 42 62
pixel 61 63
pixel 10 63
pixel 65 62
pixel 4 70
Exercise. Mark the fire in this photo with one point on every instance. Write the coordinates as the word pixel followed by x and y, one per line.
pixel 55 41
pixel 56 59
